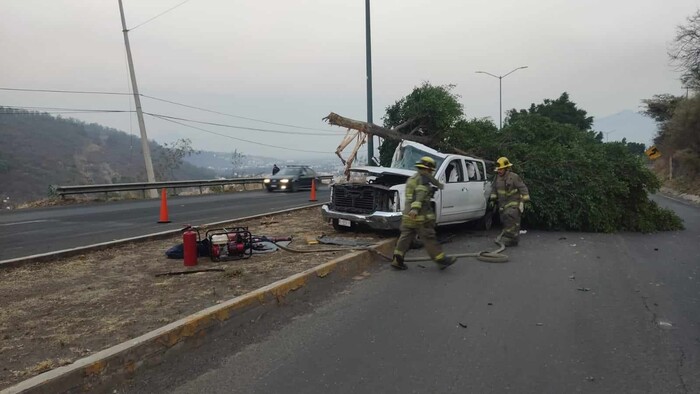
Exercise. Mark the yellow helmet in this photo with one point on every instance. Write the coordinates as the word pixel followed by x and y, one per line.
pixel 426 162
pixel 503 163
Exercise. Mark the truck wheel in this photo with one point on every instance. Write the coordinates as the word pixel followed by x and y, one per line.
pixel 341 229
pixel 486 221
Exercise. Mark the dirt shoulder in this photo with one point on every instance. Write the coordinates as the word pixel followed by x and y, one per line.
pixel 59 311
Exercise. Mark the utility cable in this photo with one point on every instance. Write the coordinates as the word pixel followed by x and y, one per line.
pixel 70 109
pixel 63 91
pixel 234 138
pixel 233 116
pixel 169 102
pixel 240 127
pixel 157 16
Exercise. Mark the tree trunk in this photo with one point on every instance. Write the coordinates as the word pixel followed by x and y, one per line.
pixel 372 129
pixel 391 134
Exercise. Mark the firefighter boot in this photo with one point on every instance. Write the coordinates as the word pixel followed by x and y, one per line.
pixel 510 242
pixel 446 261
pixel 397 263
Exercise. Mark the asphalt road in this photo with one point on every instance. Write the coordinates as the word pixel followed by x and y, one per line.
pixel 571 312
pixel 34 231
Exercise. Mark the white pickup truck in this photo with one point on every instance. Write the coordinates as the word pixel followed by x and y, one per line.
pixel 376 200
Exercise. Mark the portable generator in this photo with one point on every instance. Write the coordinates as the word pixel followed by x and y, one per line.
pixel 230 244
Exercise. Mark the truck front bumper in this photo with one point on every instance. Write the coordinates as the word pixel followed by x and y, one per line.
pixel 376 220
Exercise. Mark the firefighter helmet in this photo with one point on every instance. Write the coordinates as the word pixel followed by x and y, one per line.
pixel 503 163
pixel 426 163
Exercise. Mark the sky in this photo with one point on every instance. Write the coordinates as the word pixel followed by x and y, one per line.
pixel 292 62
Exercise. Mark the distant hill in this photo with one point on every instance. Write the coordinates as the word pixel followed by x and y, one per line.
pixel 38 150
pixel 628 124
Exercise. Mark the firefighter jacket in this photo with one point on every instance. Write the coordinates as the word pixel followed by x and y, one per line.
pixel 419 191
pixel 509 190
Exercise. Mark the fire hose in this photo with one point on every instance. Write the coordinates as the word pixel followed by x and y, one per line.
pixel 488 257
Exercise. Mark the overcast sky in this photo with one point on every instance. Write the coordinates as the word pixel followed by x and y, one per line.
pixel 295 61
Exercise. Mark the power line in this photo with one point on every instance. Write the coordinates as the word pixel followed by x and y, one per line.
pixel 233 116
pixel 75 110
pixel 234 138
pixel 165 101
pixel 63 91
pixel 158 16
pixel 243 127
pixel 69 109
pixel 54 112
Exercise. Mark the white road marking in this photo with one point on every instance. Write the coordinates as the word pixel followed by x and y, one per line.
pixel 30 221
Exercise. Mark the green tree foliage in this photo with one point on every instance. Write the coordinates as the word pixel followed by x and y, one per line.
pixel 579 183
pixel 635 148
pixel 428 110
pixel 576 181
pixel 561 110
pixel 661 107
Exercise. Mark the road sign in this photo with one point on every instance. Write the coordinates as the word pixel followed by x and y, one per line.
pixel 653 153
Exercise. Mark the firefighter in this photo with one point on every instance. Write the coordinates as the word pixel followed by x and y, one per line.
pixel 418 216
pixel 511 193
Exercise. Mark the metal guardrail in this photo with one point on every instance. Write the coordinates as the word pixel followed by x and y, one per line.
pixel 63 191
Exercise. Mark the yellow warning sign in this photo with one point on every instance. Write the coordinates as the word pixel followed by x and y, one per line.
pixel 653 153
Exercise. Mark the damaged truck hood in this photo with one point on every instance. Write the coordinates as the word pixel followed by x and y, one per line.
pixel 384 171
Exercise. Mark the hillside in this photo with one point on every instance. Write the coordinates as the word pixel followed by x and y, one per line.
pixel 39 150
pixel 631 125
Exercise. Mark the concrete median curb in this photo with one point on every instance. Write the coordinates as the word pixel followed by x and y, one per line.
pixel 120 362
pixel 19 261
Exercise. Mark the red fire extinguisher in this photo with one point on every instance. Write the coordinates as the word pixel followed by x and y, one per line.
pixel 189 244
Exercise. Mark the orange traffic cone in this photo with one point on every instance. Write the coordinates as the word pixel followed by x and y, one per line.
pixel 163 207
pixel 313 190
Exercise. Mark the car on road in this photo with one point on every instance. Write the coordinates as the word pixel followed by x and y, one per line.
pixel 292 178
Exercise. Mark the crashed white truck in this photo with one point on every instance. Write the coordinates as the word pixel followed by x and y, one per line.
pixel 373 195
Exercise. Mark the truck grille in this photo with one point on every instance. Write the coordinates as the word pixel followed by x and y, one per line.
pixel 353 199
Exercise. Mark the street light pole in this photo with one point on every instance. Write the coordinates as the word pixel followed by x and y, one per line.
pixel 500 92
pixel 368 37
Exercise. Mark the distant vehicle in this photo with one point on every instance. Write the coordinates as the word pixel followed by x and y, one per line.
pixel 292 178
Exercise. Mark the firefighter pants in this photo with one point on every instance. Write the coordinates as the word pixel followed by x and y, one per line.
pixel 426 232
pixel 510 218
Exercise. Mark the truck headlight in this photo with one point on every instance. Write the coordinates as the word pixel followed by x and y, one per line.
pixel 396 204
pixel 284 181
pixel 266 180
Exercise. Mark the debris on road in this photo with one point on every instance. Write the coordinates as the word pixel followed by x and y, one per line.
pixel 540 324
pixel 462 325
pixel 572 277
pixel 583 289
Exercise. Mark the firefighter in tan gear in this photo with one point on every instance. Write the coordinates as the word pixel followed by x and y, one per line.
pixel 511 193
pixel 418 217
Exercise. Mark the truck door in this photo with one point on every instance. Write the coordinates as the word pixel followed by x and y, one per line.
pixel 476 198
pixel 454 200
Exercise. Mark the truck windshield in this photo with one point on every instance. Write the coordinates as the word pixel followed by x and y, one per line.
pixel 410 155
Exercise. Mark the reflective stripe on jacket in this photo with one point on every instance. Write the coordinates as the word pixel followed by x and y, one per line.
pixel 509 190
pixel 418 194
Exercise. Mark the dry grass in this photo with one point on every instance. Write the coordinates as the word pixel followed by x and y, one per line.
pixel 73 307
